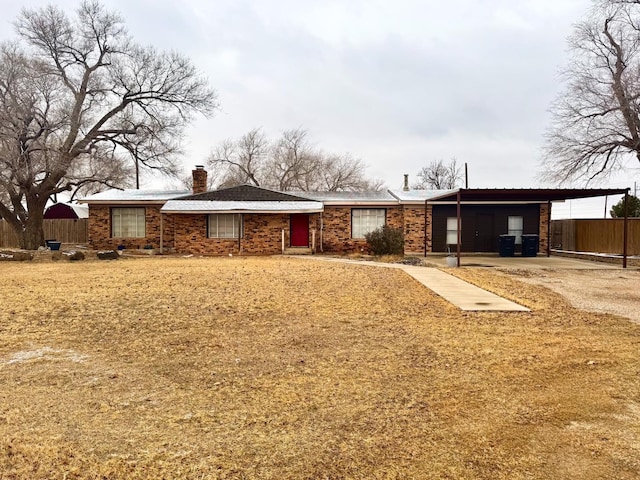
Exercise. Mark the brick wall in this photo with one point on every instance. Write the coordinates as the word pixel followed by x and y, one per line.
pixel 100 229
pixel 414 229
pixel 336 235
pixel 262 235
pixel 395 217
pixel 190 236
pixel 544 228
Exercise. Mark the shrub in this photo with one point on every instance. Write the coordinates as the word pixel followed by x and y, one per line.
pixel 633 208
pixel 386 241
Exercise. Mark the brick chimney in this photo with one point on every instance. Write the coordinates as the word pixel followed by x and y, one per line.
pixel 199 179
pixel 406 182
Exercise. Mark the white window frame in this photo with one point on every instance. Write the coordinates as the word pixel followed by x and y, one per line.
pixel 224 225
pixel 515 226
pixel 365 220
pixel 128 222
pixel 451 237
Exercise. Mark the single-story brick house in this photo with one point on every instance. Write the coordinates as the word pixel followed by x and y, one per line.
pixel 252 220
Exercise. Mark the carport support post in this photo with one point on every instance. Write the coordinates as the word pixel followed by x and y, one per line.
pixel 458 199
pixel 625 234
pixel 549 228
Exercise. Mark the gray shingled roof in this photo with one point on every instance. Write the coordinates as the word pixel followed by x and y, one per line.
pixel 419 195
pixel 132 196
pixel 349 197
pixel 245 193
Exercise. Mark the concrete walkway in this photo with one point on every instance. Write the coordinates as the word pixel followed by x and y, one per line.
pixel 458 292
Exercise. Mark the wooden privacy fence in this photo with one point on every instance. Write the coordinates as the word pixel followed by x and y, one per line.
pixel 597 235
pixel 63 230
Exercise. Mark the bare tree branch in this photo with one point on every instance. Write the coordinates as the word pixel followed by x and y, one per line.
pixel 439 176
pixel 595 128
pixel 290 163
pixel 244 159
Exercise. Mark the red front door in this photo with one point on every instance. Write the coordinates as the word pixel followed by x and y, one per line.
pixel 300 230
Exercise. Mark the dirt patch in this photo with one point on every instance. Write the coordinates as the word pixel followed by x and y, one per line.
pixel 276 368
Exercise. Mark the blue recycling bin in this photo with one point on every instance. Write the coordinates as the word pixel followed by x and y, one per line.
pixel 530 245
pixel 53 245
pixel 507 246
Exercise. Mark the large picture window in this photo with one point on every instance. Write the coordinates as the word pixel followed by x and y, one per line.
pixel 514 227
pixel 452 231
pixel 224 225
pixel 127 223
pixel 365 220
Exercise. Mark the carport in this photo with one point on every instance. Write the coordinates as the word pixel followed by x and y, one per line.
pixel 464 197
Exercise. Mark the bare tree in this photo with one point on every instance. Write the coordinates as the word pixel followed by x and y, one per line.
pixel 439 176
pixel 78 98
pixel 341 173
pixel 244 160
pixel 290 163
pixel 293 163
pixel 99 172
pixel 595 127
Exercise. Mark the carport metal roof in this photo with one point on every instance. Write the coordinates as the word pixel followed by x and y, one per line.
pixel 533 195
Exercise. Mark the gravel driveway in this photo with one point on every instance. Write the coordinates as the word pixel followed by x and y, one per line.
pixel 605 291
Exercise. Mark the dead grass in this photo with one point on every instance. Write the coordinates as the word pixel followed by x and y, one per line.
pixel 277 368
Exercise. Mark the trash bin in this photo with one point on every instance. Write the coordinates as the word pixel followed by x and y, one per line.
pixel 507 245
pixel 530 245
pixel 53 244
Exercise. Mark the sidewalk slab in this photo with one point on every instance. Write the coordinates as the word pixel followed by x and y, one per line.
pixel 462 294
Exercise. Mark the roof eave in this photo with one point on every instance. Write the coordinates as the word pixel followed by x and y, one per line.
pixel 414 202
pixel 346 203
pixel 487 202
pixel 529 195
pixel 124 202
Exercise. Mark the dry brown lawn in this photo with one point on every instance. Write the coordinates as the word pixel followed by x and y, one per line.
pixel 282 368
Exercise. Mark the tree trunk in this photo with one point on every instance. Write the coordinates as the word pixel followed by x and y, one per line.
pixel 32 235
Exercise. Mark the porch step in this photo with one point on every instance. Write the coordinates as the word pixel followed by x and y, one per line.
pixel 297 251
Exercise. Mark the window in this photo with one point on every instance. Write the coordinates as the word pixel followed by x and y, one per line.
pixel 224 225
pixel 127 223
pixel 365 220
pixel 514 227
pixel 452 231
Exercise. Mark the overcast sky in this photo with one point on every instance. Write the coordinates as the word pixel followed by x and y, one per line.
pixel 397 83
